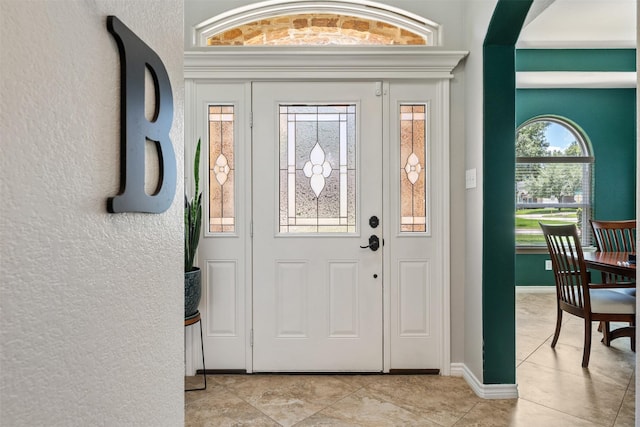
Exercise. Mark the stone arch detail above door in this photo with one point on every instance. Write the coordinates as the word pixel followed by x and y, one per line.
pixel 317 23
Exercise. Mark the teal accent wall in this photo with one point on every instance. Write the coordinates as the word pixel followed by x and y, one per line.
pixel 498 271
pixel 576 60
pixel 530 270
pixel 608 118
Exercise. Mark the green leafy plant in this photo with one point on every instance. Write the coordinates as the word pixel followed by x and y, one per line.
pixel 192 216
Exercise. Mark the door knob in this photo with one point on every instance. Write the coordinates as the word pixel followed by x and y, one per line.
pixel 374 243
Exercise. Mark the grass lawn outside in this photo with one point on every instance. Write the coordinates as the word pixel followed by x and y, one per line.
pixel 528 232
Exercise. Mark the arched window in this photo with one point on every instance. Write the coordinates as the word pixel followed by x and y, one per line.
pixel 291 22
pixel 317 30
pixel 553 178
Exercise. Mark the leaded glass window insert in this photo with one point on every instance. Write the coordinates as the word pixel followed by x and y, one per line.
pixel 221 169
pixel 413 168
pixel 317 168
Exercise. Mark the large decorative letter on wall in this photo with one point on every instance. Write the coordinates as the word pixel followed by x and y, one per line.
pixel 135 58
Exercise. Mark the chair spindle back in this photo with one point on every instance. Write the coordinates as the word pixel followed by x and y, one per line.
pixel 569 269
pixel 615 236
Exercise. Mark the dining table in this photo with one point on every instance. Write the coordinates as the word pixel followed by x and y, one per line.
pixel 611 262
pixel 614 263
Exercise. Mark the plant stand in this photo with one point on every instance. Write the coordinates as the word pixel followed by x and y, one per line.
pixel 191 320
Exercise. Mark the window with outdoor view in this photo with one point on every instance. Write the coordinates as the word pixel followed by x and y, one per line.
pixel 554 175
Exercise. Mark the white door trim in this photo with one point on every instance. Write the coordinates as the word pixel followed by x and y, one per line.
pixel 446 223
pixel 326 63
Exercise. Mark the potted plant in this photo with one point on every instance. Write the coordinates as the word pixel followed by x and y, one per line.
pixel 192 224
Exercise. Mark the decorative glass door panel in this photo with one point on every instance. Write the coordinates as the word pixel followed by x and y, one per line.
pixel 413 172
pixel 221 169
pixel 317 168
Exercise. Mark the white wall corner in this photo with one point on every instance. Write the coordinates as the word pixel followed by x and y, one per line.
pixel 485 391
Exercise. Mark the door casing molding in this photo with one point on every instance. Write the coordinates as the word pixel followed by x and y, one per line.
pixel 243 64
pixel 326 63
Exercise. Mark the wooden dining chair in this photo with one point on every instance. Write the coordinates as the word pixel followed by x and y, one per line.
pixel 575 295
pixel 615 236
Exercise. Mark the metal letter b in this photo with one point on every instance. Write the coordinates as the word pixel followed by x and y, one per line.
pixel 135 58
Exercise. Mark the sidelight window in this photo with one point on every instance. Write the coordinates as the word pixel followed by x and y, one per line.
pixel 413 168
pixel 221 169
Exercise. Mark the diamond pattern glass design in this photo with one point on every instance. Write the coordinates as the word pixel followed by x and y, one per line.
pixel 413 168
pixel 317 168
pixel 221 171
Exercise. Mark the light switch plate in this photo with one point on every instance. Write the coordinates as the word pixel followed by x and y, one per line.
pixel 470 178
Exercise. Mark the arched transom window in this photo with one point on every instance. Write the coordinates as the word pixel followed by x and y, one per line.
pixel 316 29
pixel 346 22
pixel 553 179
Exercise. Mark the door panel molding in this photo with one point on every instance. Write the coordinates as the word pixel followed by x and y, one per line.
pixel 291 299
pixel 343 299
pixel 221 296
pixel 414 291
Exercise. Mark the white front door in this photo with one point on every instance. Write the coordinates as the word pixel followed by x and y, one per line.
pixel 317 181
pixel 288 202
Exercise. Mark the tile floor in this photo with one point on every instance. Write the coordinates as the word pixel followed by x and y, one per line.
pixel 554 389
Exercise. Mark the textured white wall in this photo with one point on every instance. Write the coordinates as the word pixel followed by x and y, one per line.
pixel 91 303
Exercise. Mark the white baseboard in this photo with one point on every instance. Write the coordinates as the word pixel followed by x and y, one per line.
pixel 457 369
pixel 535 289
pixel 485 391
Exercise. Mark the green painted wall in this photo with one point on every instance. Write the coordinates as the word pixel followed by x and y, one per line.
pixel 608 118
pixel 530 270
pixel 498 252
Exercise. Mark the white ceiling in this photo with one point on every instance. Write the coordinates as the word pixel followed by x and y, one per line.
pixel 580 24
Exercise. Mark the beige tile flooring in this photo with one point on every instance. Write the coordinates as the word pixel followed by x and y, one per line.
pixel 554 389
